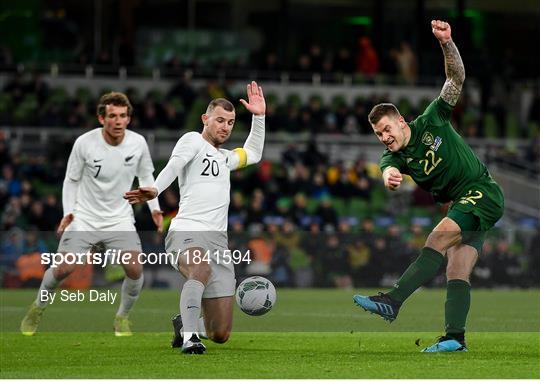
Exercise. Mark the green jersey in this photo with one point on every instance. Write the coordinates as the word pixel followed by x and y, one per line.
pixel 436 157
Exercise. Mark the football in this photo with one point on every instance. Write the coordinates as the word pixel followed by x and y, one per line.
pixel 256 295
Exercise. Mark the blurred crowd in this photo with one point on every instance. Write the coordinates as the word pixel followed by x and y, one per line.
pixel 398 65
pixel 370 257
pixel 305 221
pixel 27 100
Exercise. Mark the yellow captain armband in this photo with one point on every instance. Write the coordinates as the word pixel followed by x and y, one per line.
pixel 242 155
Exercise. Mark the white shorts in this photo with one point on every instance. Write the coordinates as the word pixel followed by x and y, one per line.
pixel 222 281
pixel 80 236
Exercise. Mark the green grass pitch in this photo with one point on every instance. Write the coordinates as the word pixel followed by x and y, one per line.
pixel 309 334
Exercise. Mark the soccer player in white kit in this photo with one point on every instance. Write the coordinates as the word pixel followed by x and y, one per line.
pixel 101 168
pixel 198 233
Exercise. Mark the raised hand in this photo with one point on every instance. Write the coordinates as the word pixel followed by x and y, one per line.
pixel 441 30
pixel 453 65
pixel 256 103
pixel 141 194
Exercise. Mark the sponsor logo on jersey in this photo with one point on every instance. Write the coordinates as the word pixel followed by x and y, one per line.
pixel 208 155
pixel 128 162
pixel 409 159
pixel 436 143
pixel 97 160
pixel 188 240
pixel 427 138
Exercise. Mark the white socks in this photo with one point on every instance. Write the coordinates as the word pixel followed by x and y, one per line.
pixel 131 288
pixel 202 329
pixel 190 307
pixel 49 283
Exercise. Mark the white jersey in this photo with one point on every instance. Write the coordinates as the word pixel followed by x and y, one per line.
pixel 105 173
pixel 204 184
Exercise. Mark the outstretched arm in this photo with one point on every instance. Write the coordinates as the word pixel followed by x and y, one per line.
pixel 453 65
pixel 251 153
pixel 153 204
pixel 186 148
pixel 164 179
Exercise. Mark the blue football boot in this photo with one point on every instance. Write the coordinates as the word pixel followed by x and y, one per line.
pixel 446 344
pixel 380 304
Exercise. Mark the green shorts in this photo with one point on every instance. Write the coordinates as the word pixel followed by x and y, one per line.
pixel 477 211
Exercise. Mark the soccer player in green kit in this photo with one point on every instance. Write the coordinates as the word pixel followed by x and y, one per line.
pixel 438 160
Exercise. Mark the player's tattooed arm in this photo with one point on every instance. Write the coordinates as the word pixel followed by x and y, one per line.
pixel 455 73
pixel 453 65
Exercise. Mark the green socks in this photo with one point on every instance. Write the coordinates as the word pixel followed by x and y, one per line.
pixel 419 272
pixel 456 308
pixel 458 292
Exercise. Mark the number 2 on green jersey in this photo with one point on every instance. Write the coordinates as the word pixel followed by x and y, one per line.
pixel 430 163
pixel 471 198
